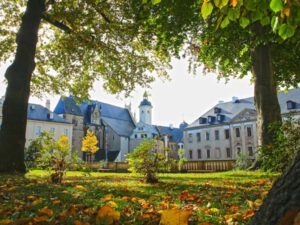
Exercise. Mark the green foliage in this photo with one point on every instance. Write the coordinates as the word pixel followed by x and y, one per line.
pixel 242 162
pixel 55 156
pixel 148 159
pixel 182 159
pixel 224 40
pixel 279 156
pixel 97 40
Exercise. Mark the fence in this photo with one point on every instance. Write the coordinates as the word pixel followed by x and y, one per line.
pixel 190 166
pixel 214 165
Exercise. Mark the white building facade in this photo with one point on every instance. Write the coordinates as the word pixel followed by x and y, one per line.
pixel 229 128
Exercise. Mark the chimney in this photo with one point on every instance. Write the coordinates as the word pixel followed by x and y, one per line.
pixel 235 99
pixel 48 104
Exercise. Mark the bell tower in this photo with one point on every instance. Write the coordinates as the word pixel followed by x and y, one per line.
pixel 145 110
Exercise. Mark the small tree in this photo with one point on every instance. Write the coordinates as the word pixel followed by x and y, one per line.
pixel 147 159
pixel 46 153
pixel 89 144
pixel 182 159
pixel 242 162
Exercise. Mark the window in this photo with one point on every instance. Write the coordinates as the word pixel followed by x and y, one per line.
pixel 52 129
pixel 217 136
pixel 228 152
pixel 190 138
pixel 217 153
pixel 66 131
pixel 250 151
pixel 135 136
pixel 199 154
pixel 207 135
pixel 208 153
pixel 238 150
pixel 198 137
pixel 237 132
pixel 226 133
pixel 37 130
pixel 191 154
pixel 143 135
pixel 249 131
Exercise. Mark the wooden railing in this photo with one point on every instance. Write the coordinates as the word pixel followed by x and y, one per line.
pixel 213 165
pixel 190 166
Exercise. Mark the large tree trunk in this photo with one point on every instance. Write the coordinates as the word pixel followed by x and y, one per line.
pixel 282 205
pixel 265 93
pixel 18 75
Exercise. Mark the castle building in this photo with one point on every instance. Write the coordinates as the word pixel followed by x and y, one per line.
pixel 229 128
pixel 41 118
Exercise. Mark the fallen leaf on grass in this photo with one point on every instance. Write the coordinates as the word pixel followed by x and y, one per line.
pixel 80 187
pixel 5 221
pixel 46 211
pixel 107 215
pixel 175 217
pixel 76 222
pixel 112 204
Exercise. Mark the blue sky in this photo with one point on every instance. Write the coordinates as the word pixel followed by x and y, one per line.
pixel 185 97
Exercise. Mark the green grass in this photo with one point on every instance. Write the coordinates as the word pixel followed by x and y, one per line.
pixel 213 197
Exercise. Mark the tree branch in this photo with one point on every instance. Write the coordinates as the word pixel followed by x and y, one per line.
pixel 57 24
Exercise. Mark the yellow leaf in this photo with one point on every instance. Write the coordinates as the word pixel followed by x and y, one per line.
pixel 233 3
pixel 40 219
pixel 107 215
pixel 214 210
pixel 106 197
pixel 80 187
pixel 258 203
pixel 56 202
pixel 175 217
pixel 112 204
pixel 46 211
pixel 76 222
pixel 5 221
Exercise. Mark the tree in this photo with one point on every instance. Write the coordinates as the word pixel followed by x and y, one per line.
pixel 147 159
pixel 233 38
pixel 89 144
pixel 71 44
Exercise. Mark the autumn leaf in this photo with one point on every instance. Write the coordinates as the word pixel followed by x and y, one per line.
pixel 80 187
pixel 175 217
pixel 107 215
pixel 76 222
pixel 46 211
pixel 261 182
pixel 112 204
pixel 233 3
pixel 106 197
pixel 5 221
pixel 39 219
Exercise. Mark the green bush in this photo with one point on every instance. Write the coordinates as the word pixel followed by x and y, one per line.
pixel 278 156
pixel 54 156
pixel 242 162
pixel 148 159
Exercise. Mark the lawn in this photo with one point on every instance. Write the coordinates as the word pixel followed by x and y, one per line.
pixel 122 198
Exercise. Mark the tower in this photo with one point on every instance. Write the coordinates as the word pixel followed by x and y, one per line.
pixel 145 110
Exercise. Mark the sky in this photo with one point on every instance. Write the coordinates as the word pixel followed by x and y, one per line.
pixel 185 98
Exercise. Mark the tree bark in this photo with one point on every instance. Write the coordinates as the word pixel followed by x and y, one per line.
pixel 282 205
pixel 18 75
pixel 265 93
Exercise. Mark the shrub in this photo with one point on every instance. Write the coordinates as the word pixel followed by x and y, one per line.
pixel 55 156
pixel 278 156
pixel 242 162
pixel 148 159
pixel 182 159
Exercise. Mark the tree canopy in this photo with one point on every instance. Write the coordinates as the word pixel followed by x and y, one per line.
pixel 218 35
pixel 83 41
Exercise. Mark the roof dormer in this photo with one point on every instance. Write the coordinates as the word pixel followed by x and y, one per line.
pixel 211 119
pixel 217 110
pixel 202 120
pixel 220 117
pixel 291 105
